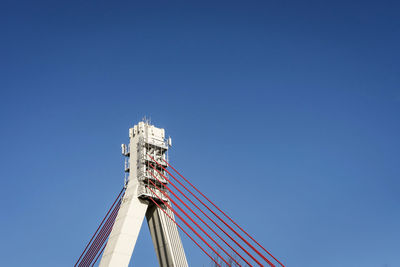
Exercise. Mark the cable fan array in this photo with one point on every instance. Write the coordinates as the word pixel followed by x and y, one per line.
pixel 211 229
pixel 230 243
pixel 97 243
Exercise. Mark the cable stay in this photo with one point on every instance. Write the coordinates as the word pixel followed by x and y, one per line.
pixel 183 220
pixel 219 227
pixel 96 244
pixel 169 198
pixel 223 221
pixel 154 188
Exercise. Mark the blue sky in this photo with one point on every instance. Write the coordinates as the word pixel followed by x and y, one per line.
pixel 286 113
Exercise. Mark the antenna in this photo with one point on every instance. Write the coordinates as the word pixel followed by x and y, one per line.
pixel 146 120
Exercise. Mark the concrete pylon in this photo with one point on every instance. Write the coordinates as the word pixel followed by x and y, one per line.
pixel 145 140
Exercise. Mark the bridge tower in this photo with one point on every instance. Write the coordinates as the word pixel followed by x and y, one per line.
pixel 145 140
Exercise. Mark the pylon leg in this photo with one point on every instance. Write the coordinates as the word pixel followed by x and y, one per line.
pixel 165 236
pixel 126 229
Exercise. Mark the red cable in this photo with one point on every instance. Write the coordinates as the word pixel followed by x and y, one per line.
pixel 251 256
pixel 99 255
pixel 102 248
pixel 92 249
pixel 86 259
pixel 262 256
pixel 209 227
pixel 180 227
pixel 107 236
pixel 103 240
pixel 228 218
pixel 99 227
pixel 190 217
pixel 207 217
pixel 104 235
pixel 110 223
pixel 191 228
pixel 197 217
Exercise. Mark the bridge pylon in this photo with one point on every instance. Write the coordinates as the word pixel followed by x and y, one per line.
pixel 146 144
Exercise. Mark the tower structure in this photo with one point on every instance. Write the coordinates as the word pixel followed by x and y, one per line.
pixel 146 142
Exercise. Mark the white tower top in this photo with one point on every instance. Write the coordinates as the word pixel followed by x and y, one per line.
pixel 146 151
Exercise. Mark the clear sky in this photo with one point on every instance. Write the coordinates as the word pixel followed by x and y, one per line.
pixel 286 113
